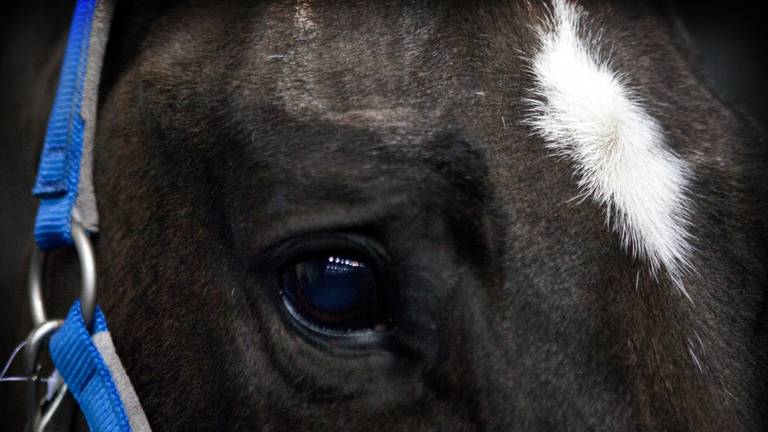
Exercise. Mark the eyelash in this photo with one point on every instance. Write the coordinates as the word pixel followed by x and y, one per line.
pixel 309 245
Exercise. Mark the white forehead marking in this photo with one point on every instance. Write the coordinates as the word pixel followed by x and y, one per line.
pixel 586 113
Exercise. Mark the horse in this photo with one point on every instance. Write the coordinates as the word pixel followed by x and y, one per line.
pixel 415 216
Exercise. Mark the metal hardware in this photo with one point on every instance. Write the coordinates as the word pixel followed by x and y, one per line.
pixel 87 274
pixel 35 417
pixel 38 413
pixel 57 403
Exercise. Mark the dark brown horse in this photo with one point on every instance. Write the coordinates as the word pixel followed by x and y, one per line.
pixel 444 216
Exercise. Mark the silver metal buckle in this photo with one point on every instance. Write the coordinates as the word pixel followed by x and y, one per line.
pixel 37 417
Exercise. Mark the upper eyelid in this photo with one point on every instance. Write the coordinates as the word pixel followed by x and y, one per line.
pixel 311 245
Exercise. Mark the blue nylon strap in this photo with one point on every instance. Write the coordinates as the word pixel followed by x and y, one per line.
pixel 86 361
pixel 59 171
pixel 87 374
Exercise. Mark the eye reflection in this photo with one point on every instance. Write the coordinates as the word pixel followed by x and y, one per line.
pixel 333 292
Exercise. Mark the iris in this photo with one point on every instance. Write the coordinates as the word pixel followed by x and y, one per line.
pixel 333 292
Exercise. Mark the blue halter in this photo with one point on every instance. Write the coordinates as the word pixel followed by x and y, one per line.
pixel 83 354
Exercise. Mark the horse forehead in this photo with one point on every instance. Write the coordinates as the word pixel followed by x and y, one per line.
pixel 398 117
pixel 324 59
pixel 303 17
pixel 369 61
pixel 384 71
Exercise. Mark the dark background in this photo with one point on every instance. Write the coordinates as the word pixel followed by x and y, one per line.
pixel 730 40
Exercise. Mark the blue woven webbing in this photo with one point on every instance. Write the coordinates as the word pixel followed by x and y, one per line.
pixel 59 170
pixel 86 361
pixel 87 374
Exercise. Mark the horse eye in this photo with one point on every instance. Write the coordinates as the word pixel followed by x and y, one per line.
pixel 335 293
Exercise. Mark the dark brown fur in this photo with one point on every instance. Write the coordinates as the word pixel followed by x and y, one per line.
pixel 233 135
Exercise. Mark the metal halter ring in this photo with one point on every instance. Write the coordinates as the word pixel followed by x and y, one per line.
pixel 36 340
pixel 87 274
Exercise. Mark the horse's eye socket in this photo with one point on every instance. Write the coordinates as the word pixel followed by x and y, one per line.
pixel 335 293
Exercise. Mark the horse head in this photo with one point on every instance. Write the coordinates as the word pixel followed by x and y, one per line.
pixel 426 216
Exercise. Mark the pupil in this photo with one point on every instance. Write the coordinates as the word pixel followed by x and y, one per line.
pixel 333 292
pixel 337 289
